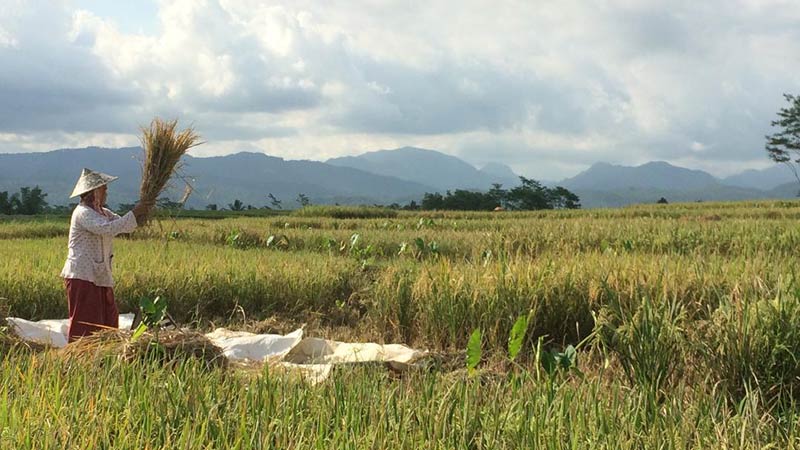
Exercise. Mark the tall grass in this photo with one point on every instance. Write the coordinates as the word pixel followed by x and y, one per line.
pixel 434 302
pixel 649 339
pixel 200 281
pixel 755 345
pixel 344 212
pixel 695 311
pixel 46 402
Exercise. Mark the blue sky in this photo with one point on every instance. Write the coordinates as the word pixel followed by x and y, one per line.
pixel 138 16
pixel 546 86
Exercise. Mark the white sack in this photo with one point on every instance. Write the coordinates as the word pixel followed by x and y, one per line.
pixel 241 345
pixel 313 358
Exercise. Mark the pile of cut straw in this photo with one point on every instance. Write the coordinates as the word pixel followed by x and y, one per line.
pixel 163 148
pixel 168 347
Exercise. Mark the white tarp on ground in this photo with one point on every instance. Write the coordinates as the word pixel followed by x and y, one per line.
pixel 312 357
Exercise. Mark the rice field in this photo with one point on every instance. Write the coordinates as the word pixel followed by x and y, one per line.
pixel 685 317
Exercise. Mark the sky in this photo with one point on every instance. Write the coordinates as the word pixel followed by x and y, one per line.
pixel 546 87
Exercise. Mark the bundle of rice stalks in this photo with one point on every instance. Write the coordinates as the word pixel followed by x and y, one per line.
pixel 10 341
pixel 100 345
pixel 169 347
pixel 163 148
pixel 172 346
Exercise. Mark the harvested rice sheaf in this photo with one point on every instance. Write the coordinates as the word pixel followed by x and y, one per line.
pixel 163 148
pixel 9 341
pixel 167 347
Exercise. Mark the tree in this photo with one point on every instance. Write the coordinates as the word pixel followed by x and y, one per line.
pixel 432 201
pixel 411 206
pixel 237 205
pixel 5 204
pixel 166 203
pixel 463 200
pixel 784 145
pixel 498 195
pixel 662 201
pixel 60 209
pixel 211 207
pixel 529 195
pixel 274 201
pixel 29 201
pixel 562 198
pixel 303 200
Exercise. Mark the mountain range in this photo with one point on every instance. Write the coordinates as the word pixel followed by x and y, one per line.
pixel 384 176
pixel 429 167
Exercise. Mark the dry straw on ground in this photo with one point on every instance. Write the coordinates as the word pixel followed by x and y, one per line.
pixel 163 148
pixel 168 347
pixel 10 341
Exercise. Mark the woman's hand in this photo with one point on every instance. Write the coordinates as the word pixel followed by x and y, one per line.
pixel 139 211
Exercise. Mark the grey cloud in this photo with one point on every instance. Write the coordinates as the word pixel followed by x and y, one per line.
pixel 390 98
pixel 649 30
pixel 223 129
pixel 51 83
pixel 47 84
pixel 682 57
pixel 256 98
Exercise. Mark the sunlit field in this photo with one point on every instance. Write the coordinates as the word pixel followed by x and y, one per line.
pixel 684 320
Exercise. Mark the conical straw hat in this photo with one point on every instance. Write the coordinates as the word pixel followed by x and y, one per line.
pixel 89 181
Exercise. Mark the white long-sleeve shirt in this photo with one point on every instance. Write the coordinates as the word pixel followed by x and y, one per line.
pixel 90 244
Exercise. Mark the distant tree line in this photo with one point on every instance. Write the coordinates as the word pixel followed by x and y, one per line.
pixel 28 201
pixel 529 195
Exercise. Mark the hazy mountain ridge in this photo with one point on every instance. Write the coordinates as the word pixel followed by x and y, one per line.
pixel 655 175
pixel 765 179
pixel 386 176
pixel 608 185
pixel 444 172
pixel 249 177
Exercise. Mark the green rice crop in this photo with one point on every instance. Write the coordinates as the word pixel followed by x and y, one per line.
pixel 47 402
pixel 685 317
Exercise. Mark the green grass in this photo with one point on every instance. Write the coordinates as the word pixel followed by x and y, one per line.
pixel 685 317
pixel 345 212
pixel 48 402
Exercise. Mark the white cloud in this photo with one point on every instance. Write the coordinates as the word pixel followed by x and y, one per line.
pixel 545 86
pixel 6 39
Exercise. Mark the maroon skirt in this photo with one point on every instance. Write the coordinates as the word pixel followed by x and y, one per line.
pixel 91 308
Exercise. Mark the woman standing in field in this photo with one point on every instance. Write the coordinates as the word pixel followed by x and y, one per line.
pixel 87 272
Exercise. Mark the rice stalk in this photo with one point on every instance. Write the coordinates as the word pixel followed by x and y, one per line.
pixel 163 148
pixel 167 347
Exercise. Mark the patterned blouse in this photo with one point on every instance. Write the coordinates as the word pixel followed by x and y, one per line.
pixel 90 246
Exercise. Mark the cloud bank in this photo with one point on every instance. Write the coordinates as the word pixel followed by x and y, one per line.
pixel 547 87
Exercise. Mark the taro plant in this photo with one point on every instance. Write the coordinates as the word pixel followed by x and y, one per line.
pixel 280 241
pixel 516 337
pixel 242 239
pixel 177 235
pixel 365 254
pixel 419 249
pixel 153 312
pixel 474 351
pixel 425 223
pixel 552 360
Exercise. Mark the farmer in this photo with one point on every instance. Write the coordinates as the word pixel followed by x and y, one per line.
pixel 87 272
